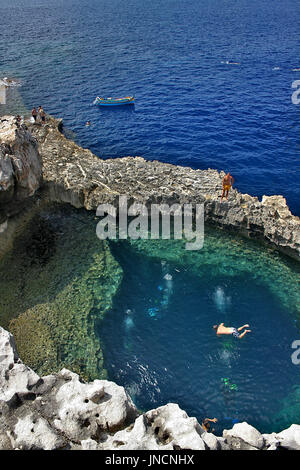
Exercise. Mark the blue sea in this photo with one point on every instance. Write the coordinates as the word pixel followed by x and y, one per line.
pixel 212 80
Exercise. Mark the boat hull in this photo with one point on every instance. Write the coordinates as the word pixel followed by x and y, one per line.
pixel 114 101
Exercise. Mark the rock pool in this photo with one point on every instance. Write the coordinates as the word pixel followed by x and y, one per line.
pixel 159 342
pixel 141 313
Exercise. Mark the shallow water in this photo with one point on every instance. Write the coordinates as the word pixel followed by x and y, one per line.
pixel 193 105
pixel 55 284
pixel 159 342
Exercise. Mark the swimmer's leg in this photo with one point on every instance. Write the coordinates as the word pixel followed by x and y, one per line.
pixel 243 334
pixel 244 326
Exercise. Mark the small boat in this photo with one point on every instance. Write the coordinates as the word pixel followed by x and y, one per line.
pixel 114 101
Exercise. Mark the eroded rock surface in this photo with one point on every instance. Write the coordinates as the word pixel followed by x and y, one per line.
pixel 74 175
pixel 60 411
pixel 20 166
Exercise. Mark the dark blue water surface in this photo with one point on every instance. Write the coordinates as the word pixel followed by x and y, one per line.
pixel 192 107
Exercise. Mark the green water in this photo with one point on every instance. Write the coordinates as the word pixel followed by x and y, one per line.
pixel 56 283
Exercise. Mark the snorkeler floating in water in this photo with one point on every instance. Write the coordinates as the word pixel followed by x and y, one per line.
pixel 224 330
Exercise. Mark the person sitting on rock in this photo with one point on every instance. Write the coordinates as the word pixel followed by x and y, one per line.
pixel 225 330
pixel 228 181
pixel 206 424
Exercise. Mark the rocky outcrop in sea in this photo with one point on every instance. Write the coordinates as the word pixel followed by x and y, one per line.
pixel 60 411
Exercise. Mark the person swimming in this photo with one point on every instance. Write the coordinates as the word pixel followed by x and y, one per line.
pixel 225 330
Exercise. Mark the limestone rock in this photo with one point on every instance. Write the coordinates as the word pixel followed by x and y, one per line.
pixel 165 428
pixel 20 165
pixel 59 411
pixel 290 438
pixel 211 441
pixel 52 411
pixel 76 176
pixel 83 410
pixel 243 436
pixel 89 444
pixel 15 377
pixel 35 433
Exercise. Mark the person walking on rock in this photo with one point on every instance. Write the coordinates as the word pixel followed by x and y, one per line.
pixel 228 181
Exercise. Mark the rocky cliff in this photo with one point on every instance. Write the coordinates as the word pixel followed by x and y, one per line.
pixel 20 166
pixel 60 411
pixel 74 175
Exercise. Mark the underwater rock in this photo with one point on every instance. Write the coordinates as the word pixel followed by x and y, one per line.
pixel 68 278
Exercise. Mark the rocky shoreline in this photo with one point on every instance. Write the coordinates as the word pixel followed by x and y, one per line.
pixel 60 411
pixel 74 175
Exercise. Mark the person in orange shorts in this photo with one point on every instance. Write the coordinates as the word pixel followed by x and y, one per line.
pixel 228 181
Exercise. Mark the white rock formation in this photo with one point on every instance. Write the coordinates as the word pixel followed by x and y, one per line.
pixel 243 436
pixel 60 411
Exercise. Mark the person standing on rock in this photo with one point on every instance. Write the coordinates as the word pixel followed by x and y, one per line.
pixel 42 115
pixel 228 181
pixel 34 114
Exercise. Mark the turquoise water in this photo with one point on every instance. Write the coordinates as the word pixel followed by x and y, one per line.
pixel 193 105
pixel 159 342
